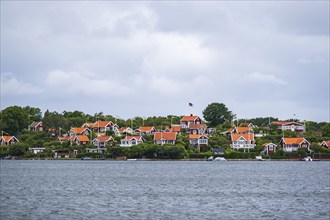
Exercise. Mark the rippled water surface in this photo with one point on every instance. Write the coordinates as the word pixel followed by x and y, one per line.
pixel 164 190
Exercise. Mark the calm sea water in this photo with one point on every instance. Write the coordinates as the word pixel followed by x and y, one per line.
pixel 164 190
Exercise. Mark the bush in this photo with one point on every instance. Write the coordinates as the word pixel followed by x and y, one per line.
pixel 18 149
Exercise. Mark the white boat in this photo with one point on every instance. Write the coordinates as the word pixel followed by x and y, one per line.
pixel 308 158
pixel 220 159
pixel 259 158
pixel 211 158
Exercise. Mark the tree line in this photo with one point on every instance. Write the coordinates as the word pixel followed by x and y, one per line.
pixel 15 119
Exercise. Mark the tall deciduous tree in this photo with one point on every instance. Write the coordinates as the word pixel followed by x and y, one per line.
pixel 217 113
pixel 34 114
pixel 54 120
pixel 14 119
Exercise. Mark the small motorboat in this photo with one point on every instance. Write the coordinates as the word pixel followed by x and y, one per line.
pixel 220 159
pixel 308 158
pixel 211 158
pixel 259 158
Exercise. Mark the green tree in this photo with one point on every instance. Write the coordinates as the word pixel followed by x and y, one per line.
pixel 54 120
pixel 14 119
pixel 34 114
pixel 217 113
pixel 325 129
pixel 18 149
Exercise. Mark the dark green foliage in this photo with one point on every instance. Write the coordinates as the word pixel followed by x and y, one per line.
pixel 115 151
pixel 14 119
pixel 219 141
pixel 34 114
pixel 325 129
pixel 55 120
pixel 217 113
pixel 18 149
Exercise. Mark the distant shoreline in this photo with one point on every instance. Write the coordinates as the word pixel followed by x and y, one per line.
pixel 140 159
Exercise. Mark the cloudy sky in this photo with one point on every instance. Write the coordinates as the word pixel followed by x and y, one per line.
pixel 127 59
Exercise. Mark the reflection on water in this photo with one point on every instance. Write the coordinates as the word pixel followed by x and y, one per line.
pixel 164 190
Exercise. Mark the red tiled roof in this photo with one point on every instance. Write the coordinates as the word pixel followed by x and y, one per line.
pixel 170 136
pixel 82 138
pixel 189 118
pixel 247 137
pixel 197 126
pixel 103 138
pixel 79 130
pixel 121 130
pixel 326 143
pixel 101 124
pixel 146 128
pixel 8 138
pixel 293 140
pixel 196 136
pixel 243 129
pixel 138 138
pixel 176 128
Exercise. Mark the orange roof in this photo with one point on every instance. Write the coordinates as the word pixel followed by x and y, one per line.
pixel 196 136
pixel 78 130
pixel 243 129
pixel 171 136
pixel 8 138
pixel 176 128
pixel 293 140
pixel 146 128
pixel 197 126
pixel 103 138
pixel 138 138
pixel 247 137
pixel 121 130
pixel 82 138
pixel 101 124
pixel 189 118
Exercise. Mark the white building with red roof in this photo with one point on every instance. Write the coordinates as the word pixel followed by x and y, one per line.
pixel 104 126
pixel 325 144
pixel 289 126
pixel 165 138
pixel 142 130
pixel 293 144
pixel 188 120
pixel 242 141
pixel 198 140
pixel 80 139
pixel 79 131
pixel 8 140
pixel 269 148
pixel 130 141
pixel 101 141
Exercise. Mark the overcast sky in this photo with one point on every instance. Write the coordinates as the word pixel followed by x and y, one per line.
pixel 128 59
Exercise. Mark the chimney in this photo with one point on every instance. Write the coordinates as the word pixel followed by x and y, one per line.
pixel 191 114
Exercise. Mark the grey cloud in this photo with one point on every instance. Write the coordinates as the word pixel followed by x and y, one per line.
pixel 138 53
